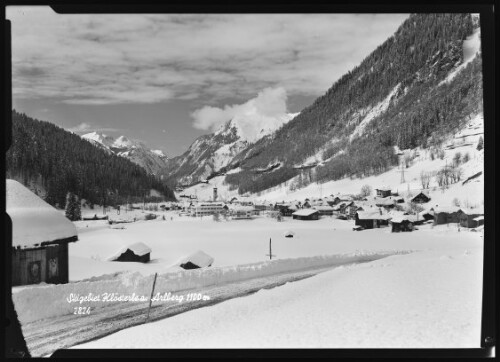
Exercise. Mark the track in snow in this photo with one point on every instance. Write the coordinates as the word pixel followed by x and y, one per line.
pixel 43 337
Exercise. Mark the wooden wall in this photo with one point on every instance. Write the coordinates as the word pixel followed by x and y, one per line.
pixel 47 264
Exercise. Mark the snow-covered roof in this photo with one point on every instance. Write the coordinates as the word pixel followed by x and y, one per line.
pixel 199 258
pixel 241 208
pixel 447 209
pixel 289 232
pixel 33 220
pixel 373 215
pixel 385 202
pixel 305 212
pixel 323 208
pixel 138 249
pixel 401 218
pixel 475 211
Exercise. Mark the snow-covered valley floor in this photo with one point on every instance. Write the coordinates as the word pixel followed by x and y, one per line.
pixel 427 295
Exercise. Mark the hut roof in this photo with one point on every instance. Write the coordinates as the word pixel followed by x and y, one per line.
pixel 199 258
pixel 241 208
pixel 33 220
pixel 305 212
pixel 138 249
pixel 400 218
pixel 475 211
pixel 323 208
pixel 373 215
pixel 446 209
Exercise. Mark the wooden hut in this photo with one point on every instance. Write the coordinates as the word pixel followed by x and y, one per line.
pixel 468 216
pixel 138 252
pixel 306 214
pixel 284 209
pixel 196 260
pixel 372 219
pixel 446 215
pixel 324 210
pixel 403 223
pixel 421 198
pixel 383 192
pixel 40 237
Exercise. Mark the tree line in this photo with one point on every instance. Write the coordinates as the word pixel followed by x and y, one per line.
pixel 63 162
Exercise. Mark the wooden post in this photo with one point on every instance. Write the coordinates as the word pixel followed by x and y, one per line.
pixel 151 298
pixel 270 251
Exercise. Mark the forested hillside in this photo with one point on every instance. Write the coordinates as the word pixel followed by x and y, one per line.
pixel 398 96
pixel 62 162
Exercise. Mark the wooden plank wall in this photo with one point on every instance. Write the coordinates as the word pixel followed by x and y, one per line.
pixel 21 259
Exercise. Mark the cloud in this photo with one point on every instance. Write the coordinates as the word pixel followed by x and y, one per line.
pixel 85 127
pixel 152 58
pixel 257 113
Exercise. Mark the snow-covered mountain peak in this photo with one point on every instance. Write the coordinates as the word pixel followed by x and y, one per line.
pixel 151 160
pixel 250 127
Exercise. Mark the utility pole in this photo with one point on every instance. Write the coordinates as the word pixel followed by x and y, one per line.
pixel 270 251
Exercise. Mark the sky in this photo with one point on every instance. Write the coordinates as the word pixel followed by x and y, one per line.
pixel 166 79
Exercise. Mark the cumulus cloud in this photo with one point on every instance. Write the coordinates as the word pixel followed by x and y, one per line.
pixel 85 127
pixel 152 58
pixel 267 110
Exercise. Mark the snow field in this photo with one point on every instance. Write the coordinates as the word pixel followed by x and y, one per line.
pixel 428 299
pixel 29 307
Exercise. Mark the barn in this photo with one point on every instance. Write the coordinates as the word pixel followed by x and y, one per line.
pixel 196 260
pixel 138 252
pixel 403 223
pixel 371 219
pixel 421 198
pixel 306 214
pixel 446 215
pixel 40 237
pixel 324 210
pixel 383 192
pixel 468 216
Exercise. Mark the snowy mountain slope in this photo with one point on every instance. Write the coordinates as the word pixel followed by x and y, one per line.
pixel 463 141
pixel 210 154
pixel 396 97
pixel 152 161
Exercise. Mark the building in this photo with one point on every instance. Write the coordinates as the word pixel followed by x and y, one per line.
pixel 284 209
pixel 446 215
pixel 196 260
pixel 421 198
pixel 241 212
pixel 468 217
pixel 383 192
pixel 306 214
pixel 372 219
pixel 352 209
pixel 40 237
pixel 403 223
pixel 324 210
pixel 387 202
pixel 138 252
pixel 207 208
pixel 341 209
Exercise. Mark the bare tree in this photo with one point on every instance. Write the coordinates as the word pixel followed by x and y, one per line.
pixel 366 190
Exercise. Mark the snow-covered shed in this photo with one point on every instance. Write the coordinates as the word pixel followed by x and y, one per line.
pixel 139 252
pixel 468 217
pixel 306 214
pixel 40 237
pixel 196 260
pixel 446 215
pixel 372 219
pixel 403 223
pixel 421 198
pixel 324 210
